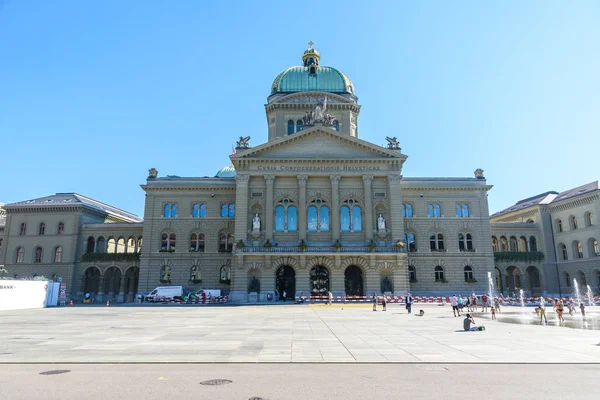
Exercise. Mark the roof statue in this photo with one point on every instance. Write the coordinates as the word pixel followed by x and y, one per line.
pixel 152 173
pixel 242 144
pixel 479 173
pixel 393 143
pixel 318 115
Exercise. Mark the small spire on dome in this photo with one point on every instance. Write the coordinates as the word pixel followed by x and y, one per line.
pixel 310 44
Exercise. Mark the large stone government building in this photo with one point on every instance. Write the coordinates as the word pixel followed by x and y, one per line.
pixel 313 209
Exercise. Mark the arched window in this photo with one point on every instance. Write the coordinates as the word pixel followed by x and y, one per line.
pixel 121 245
pixel 523 244
pixel 101 245
pixel 223 210
pixel 411 242
pixel 436 242
pixel 594 249
pixel 199 210
pixel 532 244
pixel 23 230
pixel 588 219
pixel 286 216
pixel 434 210
pixel 299 125
pixel 318 216
pixel 111 245
pixel 173 210
pixel 225 274
pixel 465 242
pixel 58 254
pixel 409 210
pixel 38 255
pixel 130 247
pixel 20 254
pixel 494 244
pixel 225 242
pixel 91 245
pixel 468 271
pixel 227 210
pixel 61 228
pixel 197 241
pixel 168 241
pixel 581 279
pixel 167 210
pixel 578 249
pixel 503 244
pixel 336 125
pixel 466 211
pixel 529 221
pixel 195 274
pixel 439 274
pixel 139 244
pixel 559 226
pixel 42 229
pixel 567 279
pixel 563 251
pixel 350 216
pixel 513 244
pixel 573 222
pixel 412 273
pixel 459 212
pixel 232 210
pixel 290 129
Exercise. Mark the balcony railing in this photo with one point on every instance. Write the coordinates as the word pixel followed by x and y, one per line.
pixel 531 256
pixel 320 249
pixel 110 257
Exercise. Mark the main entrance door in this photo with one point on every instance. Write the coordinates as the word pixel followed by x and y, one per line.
pixel 353 278
pixel 286 281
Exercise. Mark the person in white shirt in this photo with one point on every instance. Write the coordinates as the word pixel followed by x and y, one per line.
pixel 454 304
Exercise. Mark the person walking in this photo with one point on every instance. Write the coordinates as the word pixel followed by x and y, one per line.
pixel 474 303
pixel 330 297
pixel 454 304
pixel 384 302
pixel 284 294
pixel 497 304
pixel 374 301
pixel 409 301
pixel 460 303
pixel 484 303
pixel 560 309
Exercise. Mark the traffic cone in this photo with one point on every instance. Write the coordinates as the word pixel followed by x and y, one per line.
pixel 107 303
pixel 71 303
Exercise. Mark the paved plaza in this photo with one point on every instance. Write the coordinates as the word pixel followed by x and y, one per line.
pixel 282 334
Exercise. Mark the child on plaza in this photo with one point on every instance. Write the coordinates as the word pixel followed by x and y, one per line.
pixel 582 309
pixel 493 313
pixel 543 314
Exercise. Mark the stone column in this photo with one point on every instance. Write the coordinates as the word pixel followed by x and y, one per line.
pixel 270 179
pixel 302 206
pixel 241 207
pixel 335 207
pixel 367 179
pixel 396 225
pixel 122 295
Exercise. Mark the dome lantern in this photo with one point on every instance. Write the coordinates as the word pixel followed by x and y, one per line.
pixel 311 58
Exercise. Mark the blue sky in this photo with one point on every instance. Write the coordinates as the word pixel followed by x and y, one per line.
pixel 94 93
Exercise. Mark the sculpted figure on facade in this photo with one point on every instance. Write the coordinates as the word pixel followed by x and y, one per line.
pixel 256 223
pixel 393 143
pixel 381 222
pixel 243 143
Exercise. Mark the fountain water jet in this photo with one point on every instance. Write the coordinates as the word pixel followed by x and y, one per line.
pixel 577 293
pixel 590 296
pixel 491 289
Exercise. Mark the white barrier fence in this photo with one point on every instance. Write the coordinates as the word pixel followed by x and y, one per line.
pixel 22 294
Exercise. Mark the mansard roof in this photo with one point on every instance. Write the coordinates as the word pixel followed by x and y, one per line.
pixel 550 197
pixel 73 199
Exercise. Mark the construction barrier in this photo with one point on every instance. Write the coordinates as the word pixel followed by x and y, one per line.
pixel 207 300
pixel 433 300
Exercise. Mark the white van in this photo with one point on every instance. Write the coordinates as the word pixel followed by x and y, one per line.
pixel 166 293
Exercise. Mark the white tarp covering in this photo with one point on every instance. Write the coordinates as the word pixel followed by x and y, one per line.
pixel 19 295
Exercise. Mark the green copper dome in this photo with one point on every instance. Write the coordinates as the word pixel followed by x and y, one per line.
pixel 325 79
pixel 226 172
pixel 312 77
